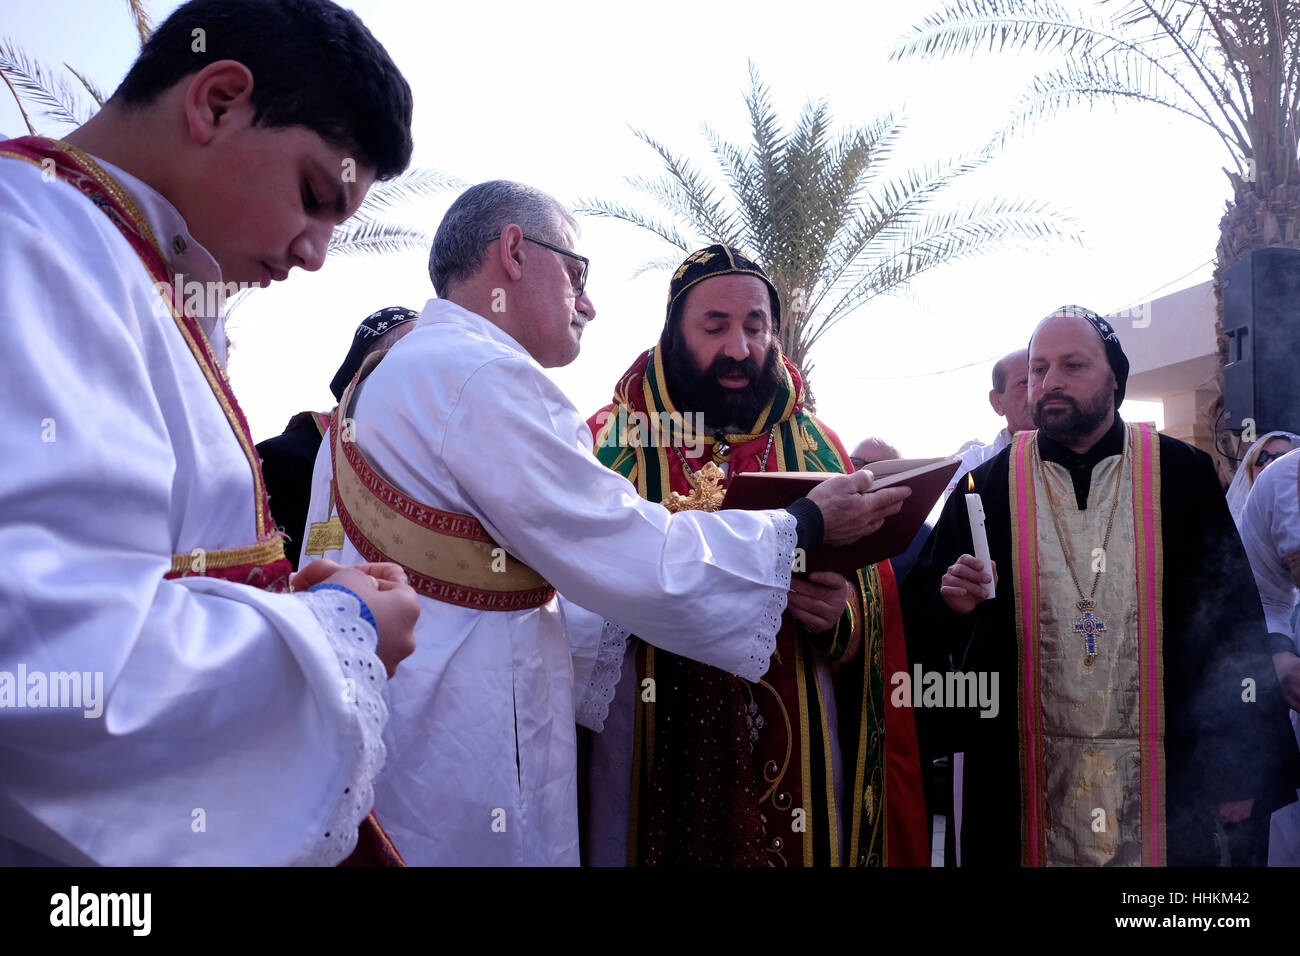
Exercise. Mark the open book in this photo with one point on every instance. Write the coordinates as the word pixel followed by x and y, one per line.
pixel 927 477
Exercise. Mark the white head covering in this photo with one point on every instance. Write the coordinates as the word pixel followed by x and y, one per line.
pixel 1241 482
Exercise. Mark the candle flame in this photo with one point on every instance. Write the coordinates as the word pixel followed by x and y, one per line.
pixel 970 482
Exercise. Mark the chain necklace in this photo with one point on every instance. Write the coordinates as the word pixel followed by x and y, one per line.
pixel 762 462
pixel 1089 626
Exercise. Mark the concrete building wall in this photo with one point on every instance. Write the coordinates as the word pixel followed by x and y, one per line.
pixel 1172 359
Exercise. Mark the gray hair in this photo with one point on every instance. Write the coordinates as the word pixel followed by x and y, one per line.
pixel 477 217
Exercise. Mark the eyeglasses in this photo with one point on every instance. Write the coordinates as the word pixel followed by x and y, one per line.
pixel 581 284
pixel 857 462
pixel 1266 456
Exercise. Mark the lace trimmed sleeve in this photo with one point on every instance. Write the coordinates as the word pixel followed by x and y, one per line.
pixel 593 706
pixel 350 629
pixel 770 621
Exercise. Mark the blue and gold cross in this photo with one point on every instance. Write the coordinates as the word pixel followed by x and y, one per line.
pixel 1089 627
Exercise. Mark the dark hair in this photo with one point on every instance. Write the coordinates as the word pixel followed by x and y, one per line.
pixel 1000 376
pixel 477 217
pixel 314 64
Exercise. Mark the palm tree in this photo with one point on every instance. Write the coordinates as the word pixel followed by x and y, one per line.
pixel 1230 65
pixel 811 206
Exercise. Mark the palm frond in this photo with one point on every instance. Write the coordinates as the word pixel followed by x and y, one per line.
pixel 355 238
pixel 949 236
pixel 18 100
pixel 90 86
pixel 612 210
pixel 685 189
pixel 1051 93
pixel 140 16
pixel 1233 65
pixel 52 95
pixel 741 177
pixel 419 183
pixel 656 265
pixel 890 213
pixel 969 26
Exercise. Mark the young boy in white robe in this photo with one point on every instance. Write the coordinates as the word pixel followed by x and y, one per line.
pixel 160 702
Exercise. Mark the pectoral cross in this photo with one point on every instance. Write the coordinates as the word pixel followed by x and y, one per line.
pixel 705 496
pixel 1089 627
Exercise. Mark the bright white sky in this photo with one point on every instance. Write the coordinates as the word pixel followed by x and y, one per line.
pixel 546 95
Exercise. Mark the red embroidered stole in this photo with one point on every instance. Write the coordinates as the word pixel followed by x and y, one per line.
pixel 261 564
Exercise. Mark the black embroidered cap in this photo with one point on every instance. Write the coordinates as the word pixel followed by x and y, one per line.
pixel 716 260
pixel 373 326
pixel 1109 340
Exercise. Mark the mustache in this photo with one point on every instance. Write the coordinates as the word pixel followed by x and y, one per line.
pixel 724 367
pixel 1038 406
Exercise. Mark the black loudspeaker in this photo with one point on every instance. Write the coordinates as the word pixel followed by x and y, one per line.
pixel 1261 315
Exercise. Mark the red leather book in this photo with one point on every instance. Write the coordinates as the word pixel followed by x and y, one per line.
pixel 927 477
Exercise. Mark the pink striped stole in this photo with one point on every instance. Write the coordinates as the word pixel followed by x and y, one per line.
pixel 1144 445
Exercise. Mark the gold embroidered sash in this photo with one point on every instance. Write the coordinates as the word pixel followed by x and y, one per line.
pixel 448 556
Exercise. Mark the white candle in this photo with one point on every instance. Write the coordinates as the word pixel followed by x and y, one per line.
pixel 975 511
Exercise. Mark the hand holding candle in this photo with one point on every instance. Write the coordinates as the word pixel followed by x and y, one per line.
pixel 975 511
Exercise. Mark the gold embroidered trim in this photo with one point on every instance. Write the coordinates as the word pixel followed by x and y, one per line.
pixel 325 535
pixel 201 348
pixel 264 552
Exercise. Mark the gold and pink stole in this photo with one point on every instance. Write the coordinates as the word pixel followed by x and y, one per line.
pixel 263 563
pixel 1144 444
pixel 260 564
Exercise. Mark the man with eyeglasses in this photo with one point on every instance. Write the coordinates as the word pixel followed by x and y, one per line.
pixel 459 459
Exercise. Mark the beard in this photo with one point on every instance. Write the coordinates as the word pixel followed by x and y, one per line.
pixel 1077 419
pixel 726 410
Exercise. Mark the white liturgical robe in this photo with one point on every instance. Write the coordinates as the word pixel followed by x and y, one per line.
pixel 223 734
pixel 1270 530
pixel 482 754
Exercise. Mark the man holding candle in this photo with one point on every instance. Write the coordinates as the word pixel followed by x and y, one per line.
pixel 1148 726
